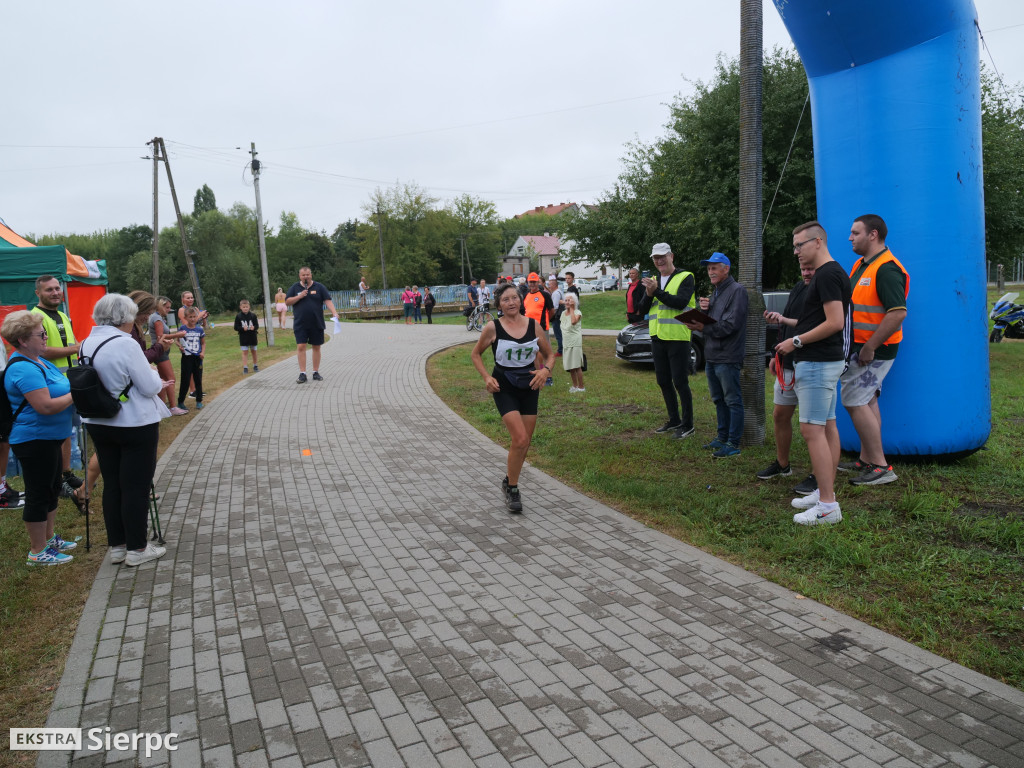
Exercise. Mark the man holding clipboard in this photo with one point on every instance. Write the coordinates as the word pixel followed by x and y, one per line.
pixel 662 299
pixel 725 339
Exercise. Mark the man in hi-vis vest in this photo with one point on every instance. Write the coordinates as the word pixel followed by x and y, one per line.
pixel 663 298
pixel 879 305
pixel 61 350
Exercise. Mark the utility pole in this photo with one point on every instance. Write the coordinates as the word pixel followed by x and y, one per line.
pixel 268 321
pixel 181 228
pixel 156 223
pixel 380 239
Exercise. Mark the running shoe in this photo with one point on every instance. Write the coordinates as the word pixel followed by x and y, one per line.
pixel 11 499
pixel 806 502
pixel 726 451
pixel 317 376
pixel 682 433
pixel 668 426
pixel 72 479
pixel 875 475
pixel 59 544
pixel 49 556
pixel 512 500
pixel 118 554
pixel 714 445
pixel 857 466
pixel 819 515
pixel 808 485
pixel 151 552
pixel 301 379
pixel 775 470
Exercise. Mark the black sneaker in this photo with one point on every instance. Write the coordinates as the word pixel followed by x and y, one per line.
pixel 504 486
pixel 807 486
pixel 775 470
pixel 72 479
pixel 683 432
pixel 668 426
pixel 255 369
pixel 317 376
pixel 11 499
pixel 301 379
pixel 512 500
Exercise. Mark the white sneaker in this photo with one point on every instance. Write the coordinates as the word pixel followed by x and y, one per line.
pixel 118 554
pixel 151 552
pixel 806 502
pixel 819 515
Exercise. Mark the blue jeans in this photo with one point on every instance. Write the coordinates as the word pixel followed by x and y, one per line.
pixel 724 387
pixel 556 325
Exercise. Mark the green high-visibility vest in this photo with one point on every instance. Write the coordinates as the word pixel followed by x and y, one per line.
pixel 54 338
pixel 663 323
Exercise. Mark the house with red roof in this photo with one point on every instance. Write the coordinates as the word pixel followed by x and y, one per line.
pixel 547 249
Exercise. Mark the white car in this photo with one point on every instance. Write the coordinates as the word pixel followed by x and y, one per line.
pixel 585 286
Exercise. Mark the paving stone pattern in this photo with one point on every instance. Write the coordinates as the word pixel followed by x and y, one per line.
pixel 372 604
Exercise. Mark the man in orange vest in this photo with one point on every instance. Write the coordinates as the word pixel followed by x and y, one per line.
pixel 880 287
pixel 537 303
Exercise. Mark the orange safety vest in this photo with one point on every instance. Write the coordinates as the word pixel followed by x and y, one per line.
pixel 867 307
pixel 534 304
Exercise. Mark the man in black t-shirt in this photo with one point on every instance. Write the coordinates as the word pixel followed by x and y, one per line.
pixel 307 298
pixel 819 347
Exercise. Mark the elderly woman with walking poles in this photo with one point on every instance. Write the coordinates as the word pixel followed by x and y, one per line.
pixel 126 443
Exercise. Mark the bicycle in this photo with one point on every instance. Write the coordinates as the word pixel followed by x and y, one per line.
pixel 478 318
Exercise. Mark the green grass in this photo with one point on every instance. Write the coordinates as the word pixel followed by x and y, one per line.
pixel 936 558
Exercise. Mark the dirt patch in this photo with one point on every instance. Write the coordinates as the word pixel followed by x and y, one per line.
pixel 1000 511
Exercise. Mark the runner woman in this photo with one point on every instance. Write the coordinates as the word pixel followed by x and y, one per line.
pixel 516 379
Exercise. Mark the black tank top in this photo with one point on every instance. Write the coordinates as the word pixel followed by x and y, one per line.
pixel 515 353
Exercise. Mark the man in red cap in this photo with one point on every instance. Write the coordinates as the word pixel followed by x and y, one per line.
pixel 537 303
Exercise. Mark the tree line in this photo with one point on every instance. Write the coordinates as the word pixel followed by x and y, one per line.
pixel 681 188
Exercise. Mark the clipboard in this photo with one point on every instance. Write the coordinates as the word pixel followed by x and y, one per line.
pixel 694 315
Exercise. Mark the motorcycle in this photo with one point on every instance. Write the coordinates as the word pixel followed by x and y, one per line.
pixel 1008 317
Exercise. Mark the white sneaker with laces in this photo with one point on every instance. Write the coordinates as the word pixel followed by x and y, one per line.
pixel 819 514
pixel 806 502
pixel 151 552
pixel 118 554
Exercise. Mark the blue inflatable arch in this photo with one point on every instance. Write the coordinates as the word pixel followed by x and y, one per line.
pixel 896 99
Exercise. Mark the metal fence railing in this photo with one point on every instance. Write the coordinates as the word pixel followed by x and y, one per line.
pixel 443 294
pixel 1013 271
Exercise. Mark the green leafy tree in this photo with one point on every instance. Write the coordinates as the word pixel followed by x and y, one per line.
pixel 478 223
pixel 203 201
pixel 346 255
pixel 413 232
pixel 1002 126
pixel 683 188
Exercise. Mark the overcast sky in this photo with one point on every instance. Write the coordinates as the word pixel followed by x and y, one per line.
pixel 522 103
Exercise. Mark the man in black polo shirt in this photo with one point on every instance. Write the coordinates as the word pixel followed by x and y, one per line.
pixel 307 298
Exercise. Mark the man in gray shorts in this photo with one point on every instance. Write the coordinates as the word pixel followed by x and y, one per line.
pixel 785 393
pixel 880 287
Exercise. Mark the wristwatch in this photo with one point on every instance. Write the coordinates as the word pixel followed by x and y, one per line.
pixel 797 343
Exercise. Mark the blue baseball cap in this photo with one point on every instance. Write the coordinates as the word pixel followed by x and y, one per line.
pixel 717 258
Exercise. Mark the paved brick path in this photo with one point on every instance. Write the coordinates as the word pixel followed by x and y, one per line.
pixel 373 604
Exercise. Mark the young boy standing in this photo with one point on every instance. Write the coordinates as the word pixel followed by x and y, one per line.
pixel 247 326
pixel 193 350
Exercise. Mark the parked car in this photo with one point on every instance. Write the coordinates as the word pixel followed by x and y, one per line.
pixel 633 344
pixel 607 283
pixel 585 286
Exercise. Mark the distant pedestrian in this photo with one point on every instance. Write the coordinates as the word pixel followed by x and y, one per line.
pixel 559 306
pixel 417 304
pixel 571 324
pixel 307 299
pixel 280 306
pixel 634 294
pixel 247 327
pixel 428 304
pixel 363 289
pixel 408 302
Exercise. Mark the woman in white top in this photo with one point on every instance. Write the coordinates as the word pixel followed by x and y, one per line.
pixel 126 442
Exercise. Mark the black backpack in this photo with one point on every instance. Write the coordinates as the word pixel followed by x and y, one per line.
pixel 7 416
pixel 90 397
